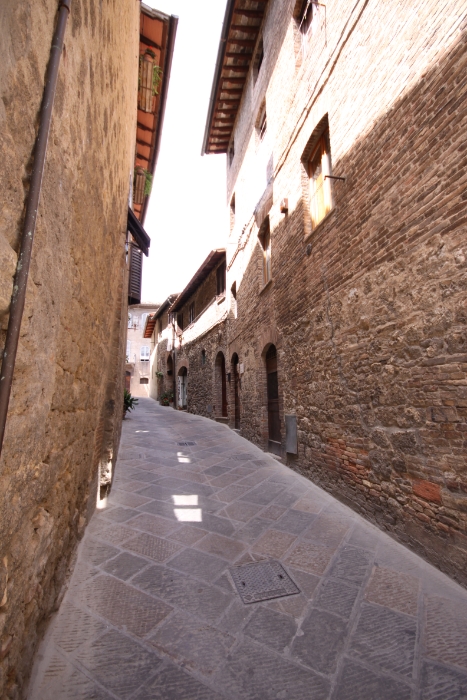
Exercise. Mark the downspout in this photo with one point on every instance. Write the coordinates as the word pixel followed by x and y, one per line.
pixel 18 296
pixel 174 357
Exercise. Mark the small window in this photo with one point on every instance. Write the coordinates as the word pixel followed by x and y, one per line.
pixel 144 380
pixel 233 291
pixel 258 59
pixel 180 321
pixel 265 240
pixel 231 151
pixel 221 279
pixel 262 122
pixel 144 353
pixel 319 167
pixel 203 357
pixel 232 213
pixel 305 23
pixel 191 313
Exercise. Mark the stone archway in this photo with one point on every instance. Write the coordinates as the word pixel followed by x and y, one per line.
pixel 182 386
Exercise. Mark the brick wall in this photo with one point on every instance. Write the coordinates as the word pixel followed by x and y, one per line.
pixel 367 311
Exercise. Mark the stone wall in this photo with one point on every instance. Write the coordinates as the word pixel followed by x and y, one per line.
pixel 367 311
pixel 65 409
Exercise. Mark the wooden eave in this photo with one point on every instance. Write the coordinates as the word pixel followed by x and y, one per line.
pixel 157 33
pixel 241 28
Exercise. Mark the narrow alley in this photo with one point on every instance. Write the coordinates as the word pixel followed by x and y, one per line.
pixel 152 612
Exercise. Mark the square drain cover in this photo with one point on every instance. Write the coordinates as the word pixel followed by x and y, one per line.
pixel 262 580
pixel 185 444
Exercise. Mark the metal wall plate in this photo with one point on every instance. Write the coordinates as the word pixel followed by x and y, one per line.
pixel 262 580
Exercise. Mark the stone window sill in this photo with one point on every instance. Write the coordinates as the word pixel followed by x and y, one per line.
pixel 266 286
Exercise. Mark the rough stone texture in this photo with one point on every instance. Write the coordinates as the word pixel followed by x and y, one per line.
pixel 367 311
pixel 64 419
pixel 363 627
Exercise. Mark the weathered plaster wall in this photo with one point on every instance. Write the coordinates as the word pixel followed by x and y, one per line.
pixel 65 410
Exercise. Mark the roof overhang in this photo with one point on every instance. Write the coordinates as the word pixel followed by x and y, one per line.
pixel 214 258
pixel 240 31
pixel 139 234
pixel 157 34
pixel 152 318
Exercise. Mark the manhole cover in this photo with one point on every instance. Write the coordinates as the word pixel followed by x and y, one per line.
pixel 263 580
pixel 186 444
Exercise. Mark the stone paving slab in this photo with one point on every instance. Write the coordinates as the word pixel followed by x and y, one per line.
pixel 151 612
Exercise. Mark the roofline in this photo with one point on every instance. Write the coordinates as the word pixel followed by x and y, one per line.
pixel 165 305
pixel 195 282
pixel 217 71
pixel 155 14
pixel 173 24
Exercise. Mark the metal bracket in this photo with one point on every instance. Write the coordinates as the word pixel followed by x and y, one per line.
pixel 334 177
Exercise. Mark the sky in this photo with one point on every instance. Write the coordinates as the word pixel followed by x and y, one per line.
pixel 187 214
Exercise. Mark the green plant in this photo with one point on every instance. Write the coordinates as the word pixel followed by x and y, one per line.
pixel 166 397
pixel 147 183
pixel 159 375
pixel 129 402
pixel 156 79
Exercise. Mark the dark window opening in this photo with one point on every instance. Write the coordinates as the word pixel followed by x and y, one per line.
pixel 258 59
pixel 191 313
pixel 221 271
pixel 143 380
pixel 231 151
pixel 265 241
pixel 262 122
pixel 180 321
pixel 232 213
pixel 203 357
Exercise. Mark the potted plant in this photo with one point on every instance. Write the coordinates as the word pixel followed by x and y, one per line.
pixel 166 398
pixel 129 402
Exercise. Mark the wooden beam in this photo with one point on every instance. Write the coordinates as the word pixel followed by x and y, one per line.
pixel 232 91
pixel 234 81
pixel 149 42
pixel 249 13
pixel 229 101
pixel 143 143
pixel 143 127
pixel 241 42
pixel 234 54
pixel 224 119
pixel 244 28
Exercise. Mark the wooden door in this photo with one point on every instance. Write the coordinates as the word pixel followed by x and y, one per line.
pixel 274 427
pixel 236 378
pixel 224 388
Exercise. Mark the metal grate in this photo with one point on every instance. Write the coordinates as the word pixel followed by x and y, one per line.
pixel 186 444
pixel 263 580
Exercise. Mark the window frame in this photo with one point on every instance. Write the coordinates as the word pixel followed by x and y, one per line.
pixel 321 200
pixel 144 348
pixel 221 281
pixel 264 237
pixel 191 313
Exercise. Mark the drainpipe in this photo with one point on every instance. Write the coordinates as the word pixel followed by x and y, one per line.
pixel 22 269
pixel 174 357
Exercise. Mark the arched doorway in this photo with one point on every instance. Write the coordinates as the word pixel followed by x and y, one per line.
pixel 236 385
pixel 182 379
pixel 274 426
pixel 220 386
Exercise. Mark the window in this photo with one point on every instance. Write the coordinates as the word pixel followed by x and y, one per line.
pixel 203 357
pixel 128 350
pixel 232 213
pixel 180 321
pixel 144 380
pixel 221 279
pixel 258 59
pixel 191 313
pixel 144 353
pixel 261 122
pixel 233 291
pixel 319 167
pixel 265 240
pixel 305 23
pixel 130 321
pixel 231 151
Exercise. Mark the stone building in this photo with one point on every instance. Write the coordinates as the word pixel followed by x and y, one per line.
pixel 346 340
pixel 65 409
pixel 138 349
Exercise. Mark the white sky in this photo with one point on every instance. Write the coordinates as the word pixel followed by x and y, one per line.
pixel 187 215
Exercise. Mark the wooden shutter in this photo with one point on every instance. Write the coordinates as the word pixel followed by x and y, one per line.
pixel 136 269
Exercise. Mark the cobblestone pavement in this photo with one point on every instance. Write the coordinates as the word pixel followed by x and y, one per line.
pixel 152 613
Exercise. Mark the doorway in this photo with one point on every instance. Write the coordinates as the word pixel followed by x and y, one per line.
pixel 182 399
pixel 236 386
pixel 221 388
pixel 274 426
